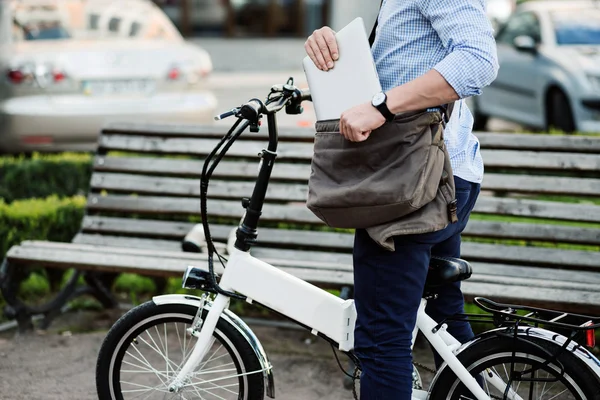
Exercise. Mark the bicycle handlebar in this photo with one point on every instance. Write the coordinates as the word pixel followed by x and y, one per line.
pixel 290 97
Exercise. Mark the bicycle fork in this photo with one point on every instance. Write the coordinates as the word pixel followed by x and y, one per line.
pixel 204 342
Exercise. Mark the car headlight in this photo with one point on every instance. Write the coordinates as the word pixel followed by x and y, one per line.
pixel 594 82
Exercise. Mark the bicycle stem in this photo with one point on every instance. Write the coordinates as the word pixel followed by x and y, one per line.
pixel 246 233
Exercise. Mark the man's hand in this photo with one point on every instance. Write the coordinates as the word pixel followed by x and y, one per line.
pixel 357 123
pixel 322 48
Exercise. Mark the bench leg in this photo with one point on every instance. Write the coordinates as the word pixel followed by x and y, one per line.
pixel 100 285
pixel 14 309
pixel 11 276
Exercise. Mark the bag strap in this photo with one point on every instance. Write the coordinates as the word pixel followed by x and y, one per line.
pixel 372 35
pixel 446 108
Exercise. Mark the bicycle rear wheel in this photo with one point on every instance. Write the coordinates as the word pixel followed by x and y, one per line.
pixel 565 379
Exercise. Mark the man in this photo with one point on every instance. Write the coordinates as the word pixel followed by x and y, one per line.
pixel 427 53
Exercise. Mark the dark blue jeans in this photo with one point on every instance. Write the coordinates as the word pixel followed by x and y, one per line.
pixel 388 287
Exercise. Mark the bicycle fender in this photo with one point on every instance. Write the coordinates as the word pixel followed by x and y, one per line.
pixel 538 333
pixel 238 324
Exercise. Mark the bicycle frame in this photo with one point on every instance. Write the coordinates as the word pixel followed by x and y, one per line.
pixel 320 311
pixel 259 282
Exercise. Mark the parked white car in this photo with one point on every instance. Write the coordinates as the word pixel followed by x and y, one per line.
pixel 70 66
pixel 549 55
pixel 499 11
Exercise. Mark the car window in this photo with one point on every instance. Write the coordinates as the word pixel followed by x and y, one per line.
pixel 577 27
pixel 90 19
pixel 525 23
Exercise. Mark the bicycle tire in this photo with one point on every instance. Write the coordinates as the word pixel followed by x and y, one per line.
pixel 577 377
pixel 131 327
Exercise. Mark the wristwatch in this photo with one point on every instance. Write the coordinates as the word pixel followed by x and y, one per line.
pixel 379 102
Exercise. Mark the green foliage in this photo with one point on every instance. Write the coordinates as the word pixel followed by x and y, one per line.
pixel 36 285
pixel 53 218
pixel 40 176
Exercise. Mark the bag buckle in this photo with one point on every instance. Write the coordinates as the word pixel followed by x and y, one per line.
pixel 452 211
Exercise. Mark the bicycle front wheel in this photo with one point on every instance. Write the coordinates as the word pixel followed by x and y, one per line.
pixel 565 379
pixel 147 347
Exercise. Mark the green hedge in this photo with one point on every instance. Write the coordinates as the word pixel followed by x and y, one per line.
pixel 53 218
pixel 65 175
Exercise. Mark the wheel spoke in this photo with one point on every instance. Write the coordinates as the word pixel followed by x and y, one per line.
pixel 146 363
pixel 211 357
pixel 166 348
pixel 160 354
pixel 141 369
pixel 163 345
pixel 141 386
pixel 553 397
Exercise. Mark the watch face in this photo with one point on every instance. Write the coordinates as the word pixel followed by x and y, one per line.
pixel 378 99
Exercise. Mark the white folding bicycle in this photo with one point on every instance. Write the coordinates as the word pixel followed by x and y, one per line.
pixel 187 347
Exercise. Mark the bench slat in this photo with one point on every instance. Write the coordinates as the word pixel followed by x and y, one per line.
pixel 104 260
pixel 533 142
pixel 186 146
pixel 191 187
pixel 299 213
pixel 292 150
pixel 191 206
pixel 151 263
pixel 568 300
pixel 289 238
pixel 471 251
pixel 540 160
pixel 536 256
pixel 192 168
pixel 537 209
pixel 283 171
pixel 542 184
pixel 200 131
pixel 488 140
pixel 536 273
pixel 526 231
pixel 298 192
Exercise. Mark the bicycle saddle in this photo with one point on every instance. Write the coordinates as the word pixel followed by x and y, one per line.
pixel 444 270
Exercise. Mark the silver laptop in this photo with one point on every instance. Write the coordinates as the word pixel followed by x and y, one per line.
pixel 352 81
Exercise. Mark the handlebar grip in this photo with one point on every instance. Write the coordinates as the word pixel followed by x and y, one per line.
pixel 226 114
pixel 305 95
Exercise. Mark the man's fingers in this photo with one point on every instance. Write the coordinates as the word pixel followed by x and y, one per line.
pixel 321 64
pixel 311 54
pixel 331 41
pixel 324 48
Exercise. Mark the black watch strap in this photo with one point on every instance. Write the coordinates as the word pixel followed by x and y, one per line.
pixel 385 111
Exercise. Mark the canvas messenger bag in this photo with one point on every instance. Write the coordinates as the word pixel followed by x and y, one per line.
pixel 400 168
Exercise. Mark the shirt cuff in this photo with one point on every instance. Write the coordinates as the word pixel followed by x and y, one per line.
pixel 457 71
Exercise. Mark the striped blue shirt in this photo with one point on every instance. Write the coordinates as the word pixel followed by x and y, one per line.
pixel 455 38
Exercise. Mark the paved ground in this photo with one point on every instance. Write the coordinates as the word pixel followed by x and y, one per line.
pixel 57 366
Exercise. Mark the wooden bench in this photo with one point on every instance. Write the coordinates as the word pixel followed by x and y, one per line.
pixel 144 198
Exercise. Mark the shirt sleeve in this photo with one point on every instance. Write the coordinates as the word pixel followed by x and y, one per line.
pixel 467 34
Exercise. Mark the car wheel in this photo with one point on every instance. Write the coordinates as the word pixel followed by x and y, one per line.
pixel 558 111
pixel 480 120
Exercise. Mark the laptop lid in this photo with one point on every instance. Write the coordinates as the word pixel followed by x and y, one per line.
pixel 352 81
